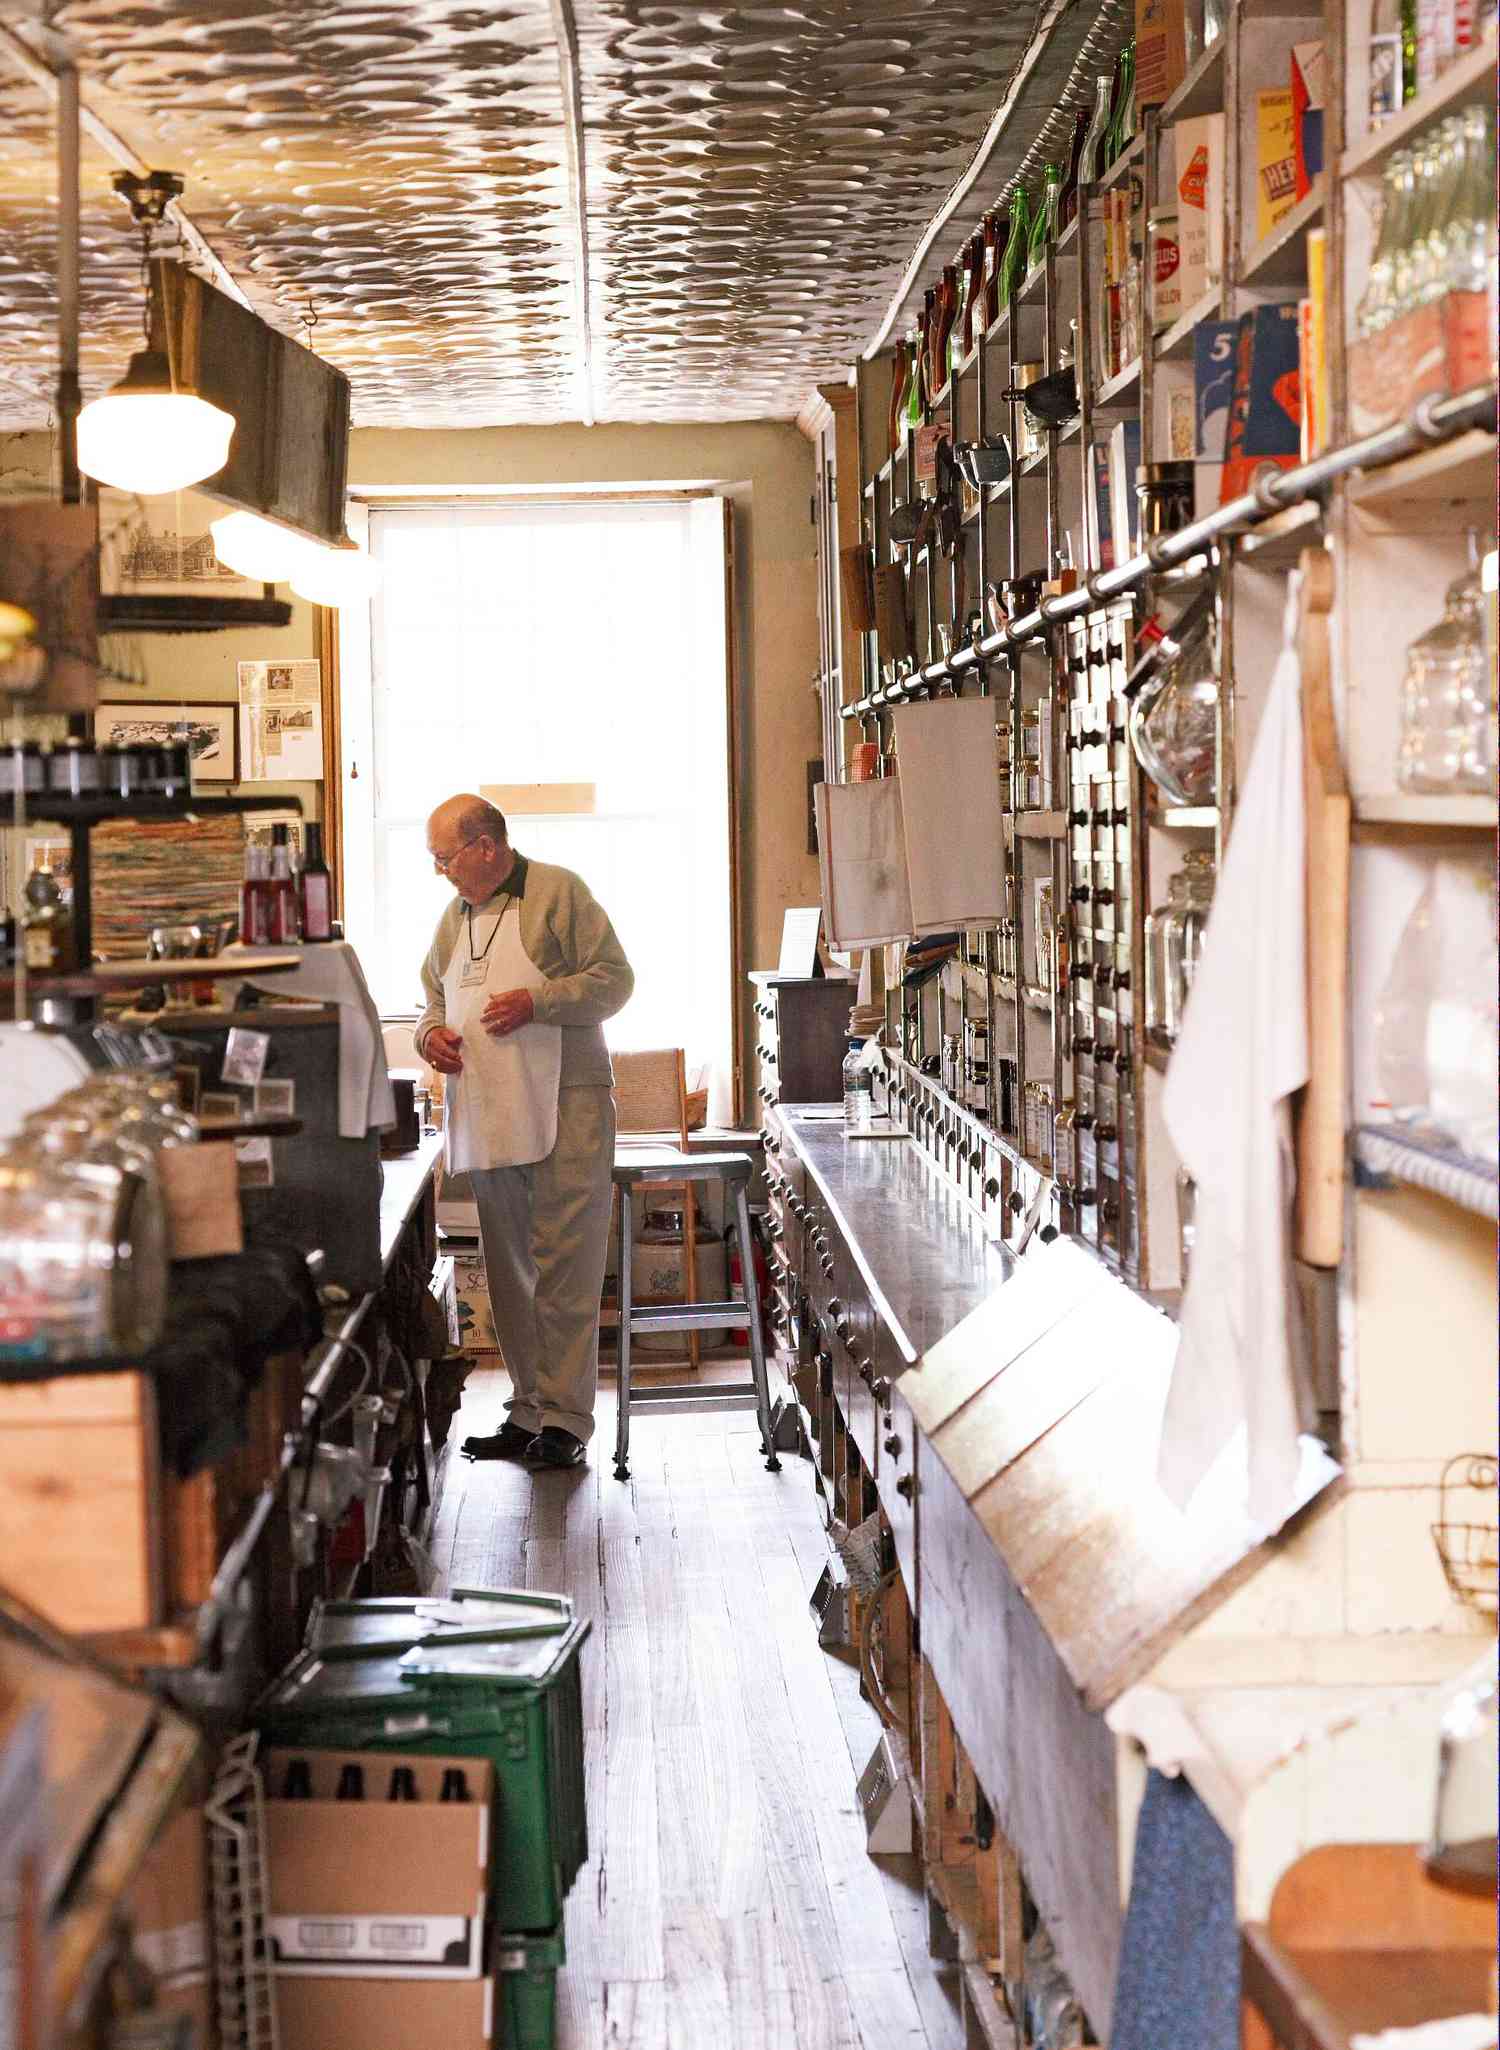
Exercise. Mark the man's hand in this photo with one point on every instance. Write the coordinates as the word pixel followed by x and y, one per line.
pixel 443 1049
pixel 507 1012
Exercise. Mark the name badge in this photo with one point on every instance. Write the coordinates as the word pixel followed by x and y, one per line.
pixel 471 973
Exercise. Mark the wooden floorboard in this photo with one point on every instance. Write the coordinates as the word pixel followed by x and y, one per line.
pixel 728 1902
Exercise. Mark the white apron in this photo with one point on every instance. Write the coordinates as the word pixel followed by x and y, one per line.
pixel 502 1110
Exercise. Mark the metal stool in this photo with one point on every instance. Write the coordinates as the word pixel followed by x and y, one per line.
pixel 732 1170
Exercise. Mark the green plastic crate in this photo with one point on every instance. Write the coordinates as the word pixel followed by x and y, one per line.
pixel 515 1699
pixel 526 1989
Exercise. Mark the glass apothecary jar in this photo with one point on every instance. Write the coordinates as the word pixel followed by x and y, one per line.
pixel 1182 936
pixel 1156 957
pixel 1446 723
pixel 1174 709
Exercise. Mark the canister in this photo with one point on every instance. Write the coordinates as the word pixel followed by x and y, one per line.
pixel 1164 257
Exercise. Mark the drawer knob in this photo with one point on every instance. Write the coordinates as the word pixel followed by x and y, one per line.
pixel 881 1390
pixel 892 1446
pixel 906 1487
pixel 866 1373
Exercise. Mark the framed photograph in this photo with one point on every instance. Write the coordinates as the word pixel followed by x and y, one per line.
pixel 211 731
pixel 162 548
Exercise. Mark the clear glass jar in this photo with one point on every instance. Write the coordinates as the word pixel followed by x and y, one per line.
pixel 1182 934
pixel 1036 1136
pixel 1445 700
pixel 858 1091
pixel 1174 711
pixel 1156 960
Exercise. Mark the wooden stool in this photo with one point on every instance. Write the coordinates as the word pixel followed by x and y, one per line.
pixel 652 1167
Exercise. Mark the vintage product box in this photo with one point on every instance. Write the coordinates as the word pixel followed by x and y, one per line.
pixel 1275 159
pixel 1445 347
pixel 1317 400
pixel 1265 413
pixel 476 1321
pixel 1213 386
pixel 1160 50
pixel 1309 70
pixel 167 1909
pixel 1200 204
pixel 377 1888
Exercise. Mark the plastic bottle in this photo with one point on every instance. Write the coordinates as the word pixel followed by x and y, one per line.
pixel 859 1101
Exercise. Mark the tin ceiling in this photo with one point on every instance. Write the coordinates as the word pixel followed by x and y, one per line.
pixel 541 211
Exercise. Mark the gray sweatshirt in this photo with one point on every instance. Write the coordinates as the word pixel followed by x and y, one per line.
pixel 567 933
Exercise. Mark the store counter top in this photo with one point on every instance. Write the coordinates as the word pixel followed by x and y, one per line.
pixel 922 1252
pixel 404 1182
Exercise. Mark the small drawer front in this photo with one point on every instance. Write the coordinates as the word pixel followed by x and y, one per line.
pixel 896 1481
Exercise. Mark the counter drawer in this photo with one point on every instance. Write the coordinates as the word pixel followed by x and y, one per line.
pixel 896 1475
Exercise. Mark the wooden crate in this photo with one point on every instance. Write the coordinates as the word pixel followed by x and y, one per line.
pixel 80 1488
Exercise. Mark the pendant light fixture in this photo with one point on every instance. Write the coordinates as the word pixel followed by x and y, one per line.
pixel 335 573
pixel 257 548
pixel 152 432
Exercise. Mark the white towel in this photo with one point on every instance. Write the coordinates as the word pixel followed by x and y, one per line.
pixel 862 863
pixel 1240 1055
pixel 331 974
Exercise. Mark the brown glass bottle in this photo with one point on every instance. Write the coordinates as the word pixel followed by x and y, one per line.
pixel 1067 204
pixel 994 244
pixel 900 371
pixel 947 307
pixel 974 291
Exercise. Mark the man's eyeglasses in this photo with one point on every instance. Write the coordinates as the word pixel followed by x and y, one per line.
pixel 446 861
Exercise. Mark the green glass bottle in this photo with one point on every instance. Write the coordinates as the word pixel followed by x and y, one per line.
pixel 1122 118
pixel 1044 220
pixel 915 410
pixel 1408 50
pixel 1013 262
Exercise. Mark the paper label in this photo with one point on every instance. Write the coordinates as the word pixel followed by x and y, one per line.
pixel 377 1946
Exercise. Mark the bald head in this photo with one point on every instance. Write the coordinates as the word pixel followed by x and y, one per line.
pixel 469 842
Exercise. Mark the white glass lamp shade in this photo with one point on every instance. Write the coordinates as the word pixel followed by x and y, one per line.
pixel 257 548
pixel 339 573
pixel 146 438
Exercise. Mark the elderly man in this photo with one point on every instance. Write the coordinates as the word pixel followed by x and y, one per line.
pixel 521 974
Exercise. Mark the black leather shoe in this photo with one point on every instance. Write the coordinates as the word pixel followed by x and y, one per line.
pixel 511 1442
pixel 554 1447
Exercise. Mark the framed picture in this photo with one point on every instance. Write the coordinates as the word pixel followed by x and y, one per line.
pixel 211 731
pixel 162 548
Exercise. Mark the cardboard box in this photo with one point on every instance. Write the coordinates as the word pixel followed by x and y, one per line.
pixel 1275 159
pixel 476 1320
pixel 1444 347
pixel 1309 71
pixel 378 1889
pixel 168 1911
pixel 1200 204
pixel 1160 50
pixel 385 2014
pixel 1264 430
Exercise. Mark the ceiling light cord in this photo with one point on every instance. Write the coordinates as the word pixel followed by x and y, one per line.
pixel 565 28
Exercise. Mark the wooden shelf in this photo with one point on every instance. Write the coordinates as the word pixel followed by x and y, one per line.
pixel 1119 388
pixel 1280 258
pixel 1466 83
pixel 1408 494
pixel 1276 543
pixel 1177 340
pixel 1041 825
pixel 1387 1153
pixel 1402 808
pixel 1202 88
pixel 1185 818
pixel 54 810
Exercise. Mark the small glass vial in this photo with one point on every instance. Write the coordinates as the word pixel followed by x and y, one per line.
pixel 1182 934
pixel 858 1091
pixel 1156 961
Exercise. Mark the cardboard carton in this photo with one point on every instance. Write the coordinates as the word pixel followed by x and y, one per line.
pixel 384 2014
pixel 167 1909
pixel 1275 160
pixel 1309 71
pixel 1160 50
pixel 1444 347
pixel 378 1889
pixel 1200 204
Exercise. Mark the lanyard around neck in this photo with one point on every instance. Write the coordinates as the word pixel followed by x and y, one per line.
pixel 476 959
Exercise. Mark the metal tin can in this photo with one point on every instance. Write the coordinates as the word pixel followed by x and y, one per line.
pixel 1164 256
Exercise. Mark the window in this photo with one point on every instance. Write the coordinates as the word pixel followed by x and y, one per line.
pixel 577 643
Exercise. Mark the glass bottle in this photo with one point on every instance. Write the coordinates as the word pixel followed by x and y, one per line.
pixel 1173 722
pixel 1044 221
pixel 315 887
pixel 1423 277
pixel 1067 199
pixel 46 925
pixel 1182 934
pixel 1122 112
pixel 281 916
pixel 1408 50
pixel 1013 263
pixel 1445 710
pixel 1092 165
pixel 900 370
pixel 994 246
pixel 970 297
pixel 916 411
pixel 1469 232
pixel 1377 306
pixel 945 308
pixel 1155 949
pixel 858 1096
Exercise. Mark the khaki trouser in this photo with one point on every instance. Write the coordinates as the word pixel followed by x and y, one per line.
pixel 545 1233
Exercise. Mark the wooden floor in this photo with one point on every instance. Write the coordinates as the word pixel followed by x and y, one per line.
pixel 729 1903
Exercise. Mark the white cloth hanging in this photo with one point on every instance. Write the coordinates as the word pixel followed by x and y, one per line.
pixel 330 974
pixel 1240 1054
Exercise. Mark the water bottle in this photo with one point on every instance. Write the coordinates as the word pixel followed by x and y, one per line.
pixel 858 1097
